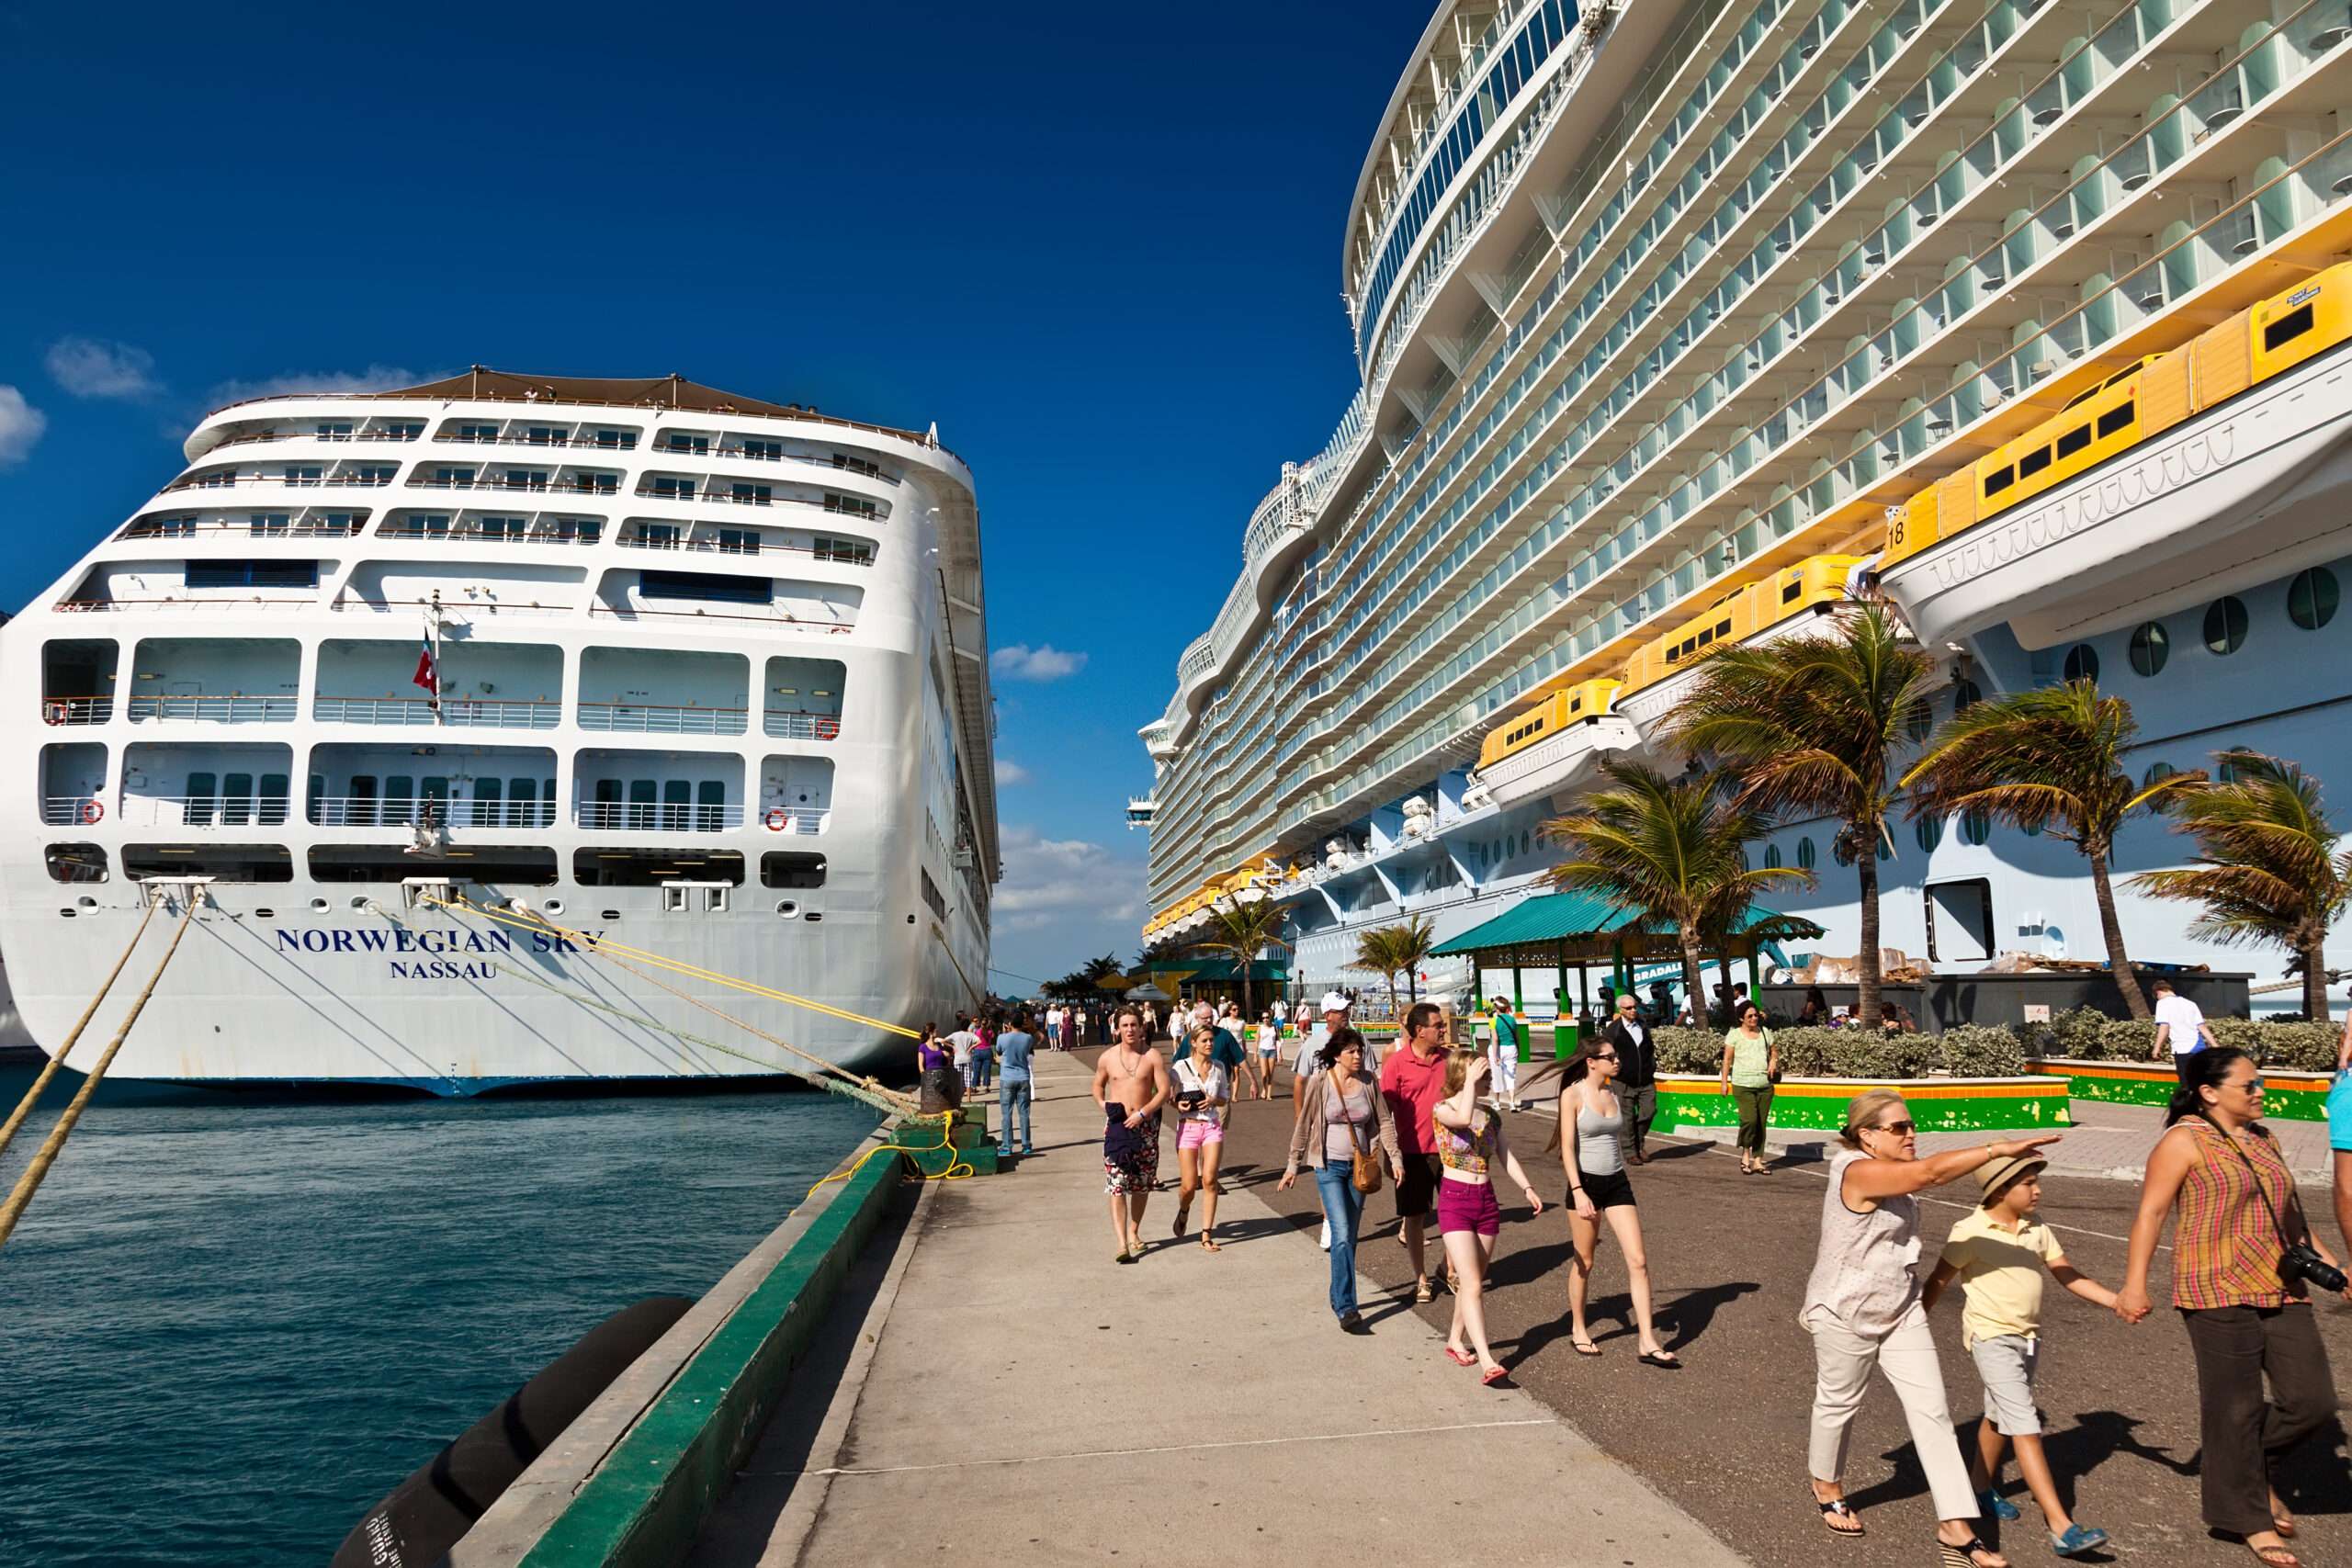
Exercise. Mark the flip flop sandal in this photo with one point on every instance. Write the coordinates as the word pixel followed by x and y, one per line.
pixel 1660 1359
pixel 1460 1357
pixel 1182 1215
pixel 1422 1293
pixel 1208 1246
pixel 1965 1556
pixel 1584 1347
pixel 1838 1508
pixel 1494 1375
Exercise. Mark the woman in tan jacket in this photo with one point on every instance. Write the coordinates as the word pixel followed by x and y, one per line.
pixel 1342 1114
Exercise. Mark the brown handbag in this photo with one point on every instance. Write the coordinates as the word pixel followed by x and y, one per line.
pixel 1366 1171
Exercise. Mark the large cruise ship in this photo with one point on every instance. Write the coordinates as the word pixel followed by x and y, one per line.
pixel 1680 322
pixel 691 672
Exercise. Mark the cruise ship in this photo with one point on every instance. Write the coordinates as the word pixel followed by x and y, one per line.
pixel 693 674
pixel 1686 323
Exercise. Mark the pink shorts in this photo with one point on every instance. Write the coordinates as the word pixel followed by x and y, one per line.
pixel 1193 1134
pixel 1468 1206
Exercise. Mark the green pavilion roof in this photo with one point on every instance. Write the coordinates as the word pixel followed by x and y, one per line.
pixel 1553 926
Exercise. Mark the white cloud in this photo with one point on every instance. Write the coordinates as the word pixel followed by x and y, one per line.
pixel 1068 883
pixel 20 426
pixel 1043 662
pixel 90 368
pixel 1009 772
pixel 375 378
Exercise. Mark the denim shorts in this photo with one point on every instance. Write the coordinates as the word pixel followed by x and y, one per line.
pixel 2005 1363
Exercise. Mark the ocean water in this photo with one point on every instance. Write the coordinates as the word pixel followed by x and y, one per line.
pixel 228 1327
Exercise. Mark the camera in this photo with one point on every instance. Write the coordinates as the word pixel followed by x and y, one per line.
pixel 2303 1262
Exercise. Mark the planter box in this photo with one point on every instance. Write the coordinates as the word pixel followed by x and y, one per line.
pixel 2287 1096
pixel 1938 1105
pixel 1947 1002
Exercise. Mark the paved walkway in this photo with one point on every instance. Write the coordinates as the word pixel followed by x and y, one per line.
pixel 1017 1396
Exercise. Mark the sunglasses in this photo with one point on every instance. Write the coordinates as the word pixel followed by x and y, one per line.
pixel 1605 1056
pixel 2251 1086
pixel 1900 1129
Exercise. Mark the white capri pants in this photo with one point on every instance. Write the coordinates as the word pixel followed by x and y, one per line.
pixel 1907 1355
pixel 1504 1060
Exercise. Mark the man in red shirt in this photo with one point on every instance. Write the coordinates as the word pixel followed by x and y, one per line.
pixel 1413 1081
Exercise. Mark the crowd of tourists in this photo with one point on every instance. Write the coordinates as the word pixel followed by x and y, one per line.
pixel 1427 1120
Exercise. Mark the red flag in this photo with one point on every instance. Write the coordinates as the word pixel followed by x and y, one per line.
pixel 427 675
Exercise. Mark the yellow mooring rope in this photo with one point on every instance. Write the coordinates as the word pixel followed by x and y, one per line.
pixel 29 1182
pixel 49 1071
pixel 957 1169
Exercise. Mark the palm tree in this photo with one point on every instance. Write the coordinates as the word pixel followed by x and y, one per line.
pixel 2049 758
pixel 1101 968
pixel 1806 725
pixel 1240 929
pixel 1669 848
pixel 2267 868
pixel 1376 950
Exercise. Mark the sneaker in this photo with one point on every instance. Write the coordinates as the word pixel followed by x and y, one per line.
pixel 1998 1507
pixel 1353 1322
pixel 1003 1152
pixel 2077 1540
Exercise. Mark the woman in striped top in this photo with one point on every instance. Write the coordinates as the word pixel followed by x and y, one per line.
pixel 2223 1171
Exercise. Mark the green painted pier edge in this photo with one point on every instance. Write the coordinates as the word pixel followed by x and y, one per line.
pixel 631 1483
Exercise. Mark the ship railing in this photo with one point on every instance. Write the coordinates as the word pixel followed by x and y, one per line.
pixel 478 533
pixel 250 438
pixel 76 710
pixel 375 811
pixel 200 811
pixel 523 487
pixel 239 602
pixel 468 610
pixel 457 712
pixel 197 707
pixel 335 527
pixel 658 816
pixel 794 725
pixel 774 617
pixel 655 718
pixel 748 547
pixel 586 443
pixel 283 481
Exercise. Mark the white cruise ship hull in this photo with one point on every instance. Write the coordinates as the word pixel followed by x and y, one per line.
pixel 693 674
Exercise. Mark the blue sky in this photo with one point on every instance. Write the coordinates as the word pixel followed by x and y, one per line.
pixel 1099 245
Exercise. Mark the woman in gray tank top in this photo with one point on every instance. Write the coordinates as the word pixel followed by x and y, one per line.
pixel 1590 1119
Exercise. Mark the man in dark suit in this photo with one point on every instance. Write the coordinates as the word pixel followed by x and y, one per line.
pixel 1636 1044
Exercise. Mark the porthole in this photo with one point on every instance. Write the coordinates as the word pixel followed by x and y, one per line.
pixel 1921 719
pixel 1965 695
pixel 258 914
pixel 1930 831
pixel 1885 849
pixel 1976 827
pixel 2157 773
pixel 1840 853
pixel 2032 829
pixel 787 907
pixel 2311 598
pixel 2150 646
pixel 612 914
pixel 2082 663
pixel 553 905
pixel 359 900
pixel 2227 773
pixel 1772 857
pixel 2225 623
pixel 318 905
pixel 1805 853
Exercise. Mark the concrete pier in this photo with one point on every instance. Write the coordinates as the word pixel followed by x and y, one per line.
pixel 1017 1396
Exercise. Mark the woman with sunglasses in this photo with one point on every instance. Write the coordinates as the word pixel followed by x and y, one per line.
pixel 1862 1306
pixel 1590 1129
pixel 2221 1169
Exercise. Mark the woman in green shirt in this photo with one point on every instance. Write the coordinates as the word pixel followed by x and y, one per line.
pixel 1750 1064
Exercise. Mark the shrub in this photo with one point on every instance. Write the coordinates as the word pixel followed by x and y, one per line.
pixel 2126 1040
pixel 2303 1047
pixel 1981 1051
pixel 2078 1032
pixel 1683 1050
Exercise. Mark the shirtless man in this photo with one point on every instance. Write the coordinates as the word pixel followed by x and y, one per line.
pixel 1130 1084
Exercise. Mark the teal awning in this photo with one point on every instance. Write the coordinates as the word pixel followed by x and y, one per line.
pixel 1552 927
pixel 1214 969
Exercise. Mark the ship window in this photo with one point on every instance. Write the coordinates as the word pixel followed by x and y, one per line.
pixel 2311 598
pixel 1964 695
pixel 1976 827
pixel 1998 481
pixel 525 866
pixel 1805 853
pixel 361 810
pixel 710 806
pixel 488 806
pixel 400 798
pixel 1930 831
pixel 2157 772
pixel 2073 441
pixel 2225 623
pixel 1672 654
pixel 607 810
pixel 752 494
pixel 202 788
pixel 2150 646
pixel 705 585
pixel 673 489
pixel 523 803
pixel 1722 629
pixel 619 438
pixel 652 868
pixel 772 451
pixel 849 552
pixel 222 862
pixel 76 863
pixel 270 802
pixel 2120 417
pixel 1772 856
pixel 2287 327
pixel 2081 662
pixel 2033 462
pixel 1789 594
pixel 643 793
pixel 1706 637
pixel 789 868
pixel 739 542
pixel 253 574
pixel 502 527
pixel 677 442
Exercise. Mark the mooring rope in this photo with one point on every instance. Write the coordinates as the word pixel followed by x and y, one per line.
pixel 49 1069
pixel 29 1182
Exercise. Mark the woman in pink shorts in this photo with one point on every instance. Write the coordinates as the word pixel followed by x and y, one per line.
pixel 1471 1145
pixel 1203 1089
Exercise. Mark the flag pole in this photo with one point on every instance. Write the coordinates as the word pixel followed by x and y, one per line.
pixel 433 641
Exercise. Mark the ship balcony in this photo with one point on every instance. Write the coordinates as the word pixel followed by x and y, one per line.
pixel 492 528
pixel 77 677
pixel 76 710
pixel 658 792
pixel 495 810
pixel 803 699
pixel 374 785
pixel 654 691
pixel 692 538
pixel 676 813
pixel 214 680
pixel 306 524
pixel 648 718
pixel 190 785
pixel 234 804
pixel 793 724
pixel 485 685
